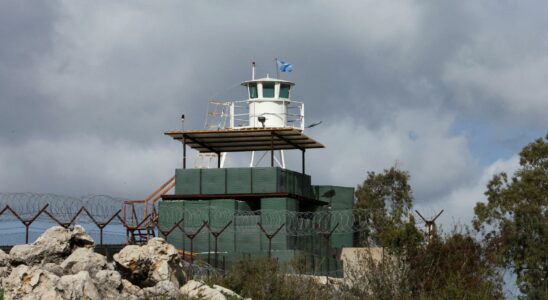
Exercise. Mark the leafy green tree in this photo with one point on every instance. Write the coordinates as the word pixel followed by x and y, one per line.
pixel 455 266
pixel 384 201
pixel 514 220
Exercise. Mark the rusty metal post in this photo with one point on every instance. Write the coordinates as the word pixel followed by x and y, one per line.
pixel 191 236
pixel 27 222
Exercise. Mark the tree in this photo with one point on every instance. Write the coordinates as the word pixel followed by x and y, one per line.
pixel 384 201
pixel 514 221
pixel 454 266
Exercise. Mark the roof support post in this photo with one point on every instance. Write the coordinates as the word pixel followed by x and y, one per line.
pixel 303 159
pixel 218 160
pixel 184 152
pixel 272 148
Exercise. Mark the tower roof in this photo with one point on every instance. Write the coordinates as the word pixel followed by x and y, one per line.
pixel 243 140
pixel 267 79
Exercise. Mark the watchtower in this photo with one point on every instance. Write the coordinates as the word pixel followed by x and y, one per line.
pixel 254 210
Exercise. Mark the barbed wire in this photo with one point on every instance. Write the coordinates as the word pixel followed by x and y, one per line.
pixel 103 210
pixel 28 204
pixel 296 223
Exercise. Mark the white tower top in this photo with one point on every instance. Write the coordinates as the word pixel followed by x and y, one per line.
pixel 269 105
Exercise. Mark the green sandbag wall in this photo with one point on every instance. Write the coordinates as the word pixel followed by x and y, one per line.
pixel 341 200
pixel 243 237
pixel 242 181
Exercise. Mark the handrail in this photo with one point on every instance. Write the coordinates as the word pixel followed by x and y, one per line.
pixel 154 197
pixel 157 193
pixel 160 188
pixel 159 196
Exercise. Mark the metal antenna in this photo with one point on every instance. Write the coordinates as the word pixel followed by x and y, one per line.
pixel 429 224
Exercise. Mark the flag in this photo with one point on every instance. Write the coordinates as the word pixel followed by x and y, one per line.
pixel 283 66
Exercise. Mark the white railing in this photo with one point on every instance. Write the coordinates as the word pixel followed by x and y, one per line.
pixel 240 115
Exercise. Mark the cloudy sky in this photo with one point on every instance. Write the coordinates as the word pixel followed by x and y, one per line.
pixel 449 90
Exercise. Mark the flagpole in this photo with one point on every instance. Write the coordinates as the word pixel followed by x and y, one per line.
pixel 277 69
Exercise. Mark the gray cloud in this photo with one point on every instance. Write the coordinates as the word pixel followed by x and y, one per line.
pixel 87 88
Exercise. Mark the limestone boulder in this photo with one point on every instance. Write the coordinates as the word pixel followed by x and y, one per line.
pixel 85 259
pixel 194 289
pixel 4 273
pixel 111 286
pixel 147 265
pixel 109 281
pixel 5 268
pixel 53 268
pixel 227 292
pixel 77 286
pixel 162 290
pixel 4 259
pixel 52 246
pixel 26 282
pixel 129 288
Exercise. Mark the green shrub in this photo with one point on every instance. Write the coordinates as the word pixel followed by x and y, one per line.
pixel 264 278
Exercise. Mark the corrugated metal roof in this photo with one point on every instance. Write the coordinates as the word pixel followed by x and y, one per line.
pixel 243 140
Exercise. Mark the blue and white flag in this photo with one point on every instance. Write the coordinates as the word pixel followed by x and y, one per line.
pixel 283 66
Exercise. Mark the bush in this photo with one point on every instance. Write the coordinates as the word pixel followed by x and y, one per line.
pixel 264 278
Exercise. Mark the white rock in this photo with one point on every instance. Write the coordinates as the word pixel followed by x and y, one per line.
pixel 129 289
pixel 53 245
pixel 111 286
pixel 108 280
pixel 84 259
pixel 226 291
pixel 199 290
pixel 150 264
pixel 5 268
pixel 4 273
pixel 80 238
pixel 4 259
pixel 163 290
pixel 53 268
pixel 77 286
pixel 31 283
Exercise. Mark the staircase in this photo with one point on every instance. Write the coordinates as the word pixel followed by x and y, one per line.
pixel 140 225
pixel 140 236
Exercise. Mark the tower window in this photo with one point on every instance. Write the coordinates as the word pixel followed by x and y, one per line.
pixel 268 90
pixel 253 90
pixel 284 91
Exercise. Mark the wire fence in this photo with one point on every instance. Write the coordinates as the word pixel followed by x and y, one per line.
pixel 28 214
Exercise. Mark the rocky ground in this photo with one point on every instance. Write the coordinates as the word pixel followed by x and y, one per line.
pixel 61 264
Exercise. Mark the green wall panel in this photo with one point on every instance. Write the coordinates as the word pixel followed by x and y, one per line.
pixel 265 180
pixel 290 179
pixel 238 180
pixel 187 181
pixel 213 181
pixel 340 240
pixel 337 196
pixel 170 213
pixel 195 213
pixel 247 234
pixel 221 214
